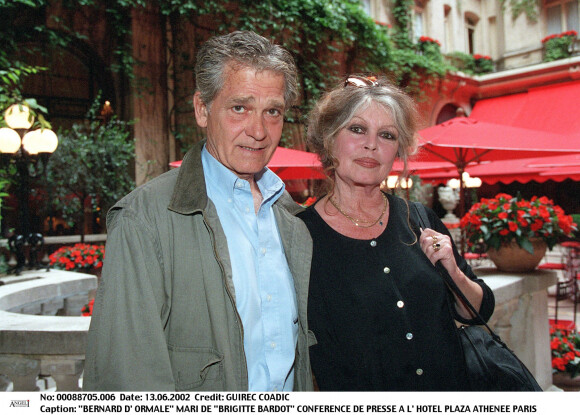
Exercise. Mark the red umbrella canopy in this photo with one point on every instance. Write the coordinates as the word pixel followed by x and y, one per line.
pixel 539 169
pixel 290 164
pixel 463 140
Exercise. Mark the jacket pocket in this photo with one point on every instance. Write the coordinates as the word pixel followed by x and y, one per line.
pixel 196 368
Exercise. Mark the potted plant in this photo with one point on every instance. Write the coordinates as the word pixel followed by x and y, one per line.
pixel 559 46
pixel 482 63
pixel 430 48
pixel 565 349
pixel 516 232
pixel 79 257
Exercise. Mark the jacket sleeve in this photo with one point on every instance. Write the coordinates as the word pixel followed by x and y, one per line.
pixel 126 348
pixel 488 299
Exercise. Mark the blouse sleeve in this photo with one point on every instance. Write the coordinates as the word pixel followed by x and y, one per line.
pixel 488 300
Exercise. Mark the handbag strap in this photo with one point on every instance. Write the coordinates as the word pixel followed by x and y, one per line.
pixel 425 223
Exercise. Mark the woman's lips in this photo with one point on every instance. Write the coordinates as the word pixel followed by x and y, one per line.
pixel 367 162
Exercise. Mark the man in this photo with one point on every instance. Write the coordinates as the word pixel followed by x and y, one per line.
pixel 206 271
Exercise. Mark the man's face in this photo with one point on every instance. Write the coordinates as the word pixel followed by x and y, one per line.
pixel 244 123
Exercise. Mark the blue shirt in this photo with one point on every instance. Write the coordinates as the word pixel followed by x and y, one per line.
pixel 264 288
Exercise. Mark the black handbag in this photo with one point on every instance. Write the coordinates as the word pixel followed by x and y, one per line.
pixel 490 364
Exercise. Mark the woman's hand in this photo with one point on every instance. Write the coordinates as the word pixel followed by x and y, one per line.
pixel 438 247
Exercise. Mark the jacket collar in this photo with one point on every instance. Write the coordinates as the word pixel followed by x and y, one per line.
pixel 190 194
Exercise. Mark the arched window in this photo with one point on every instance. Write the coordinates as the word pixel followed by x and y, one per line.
pixel 446 113
pixel 68 87
pixel 448 29
pixel 471 21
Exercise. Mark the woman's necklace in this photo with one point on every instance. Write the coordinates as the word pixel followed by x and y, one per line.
pixel 359 222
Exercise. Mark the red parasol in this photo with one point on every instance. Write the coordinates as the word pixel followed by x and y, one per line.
pixel 463 140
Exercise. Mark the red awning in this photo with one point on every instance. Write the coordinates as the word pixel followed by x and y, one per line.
pixel 541 169
pixel 549 108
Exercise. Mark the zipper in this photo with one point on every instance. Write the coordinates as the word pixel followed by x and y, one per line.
pixel 230 295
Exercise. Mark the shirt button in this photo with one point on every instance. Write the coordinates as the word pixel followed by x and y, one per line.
pixel 373 243
pixel 386 270
pixel 269 298
pixel 239 184
pixel 230 200
pixel 263 250
pixel 247 209
pixel 273 345
pixel 409 336
pixel 400 304
pixel 419 371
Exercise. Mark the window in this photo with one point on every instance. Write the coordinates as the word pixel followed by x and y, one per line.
pixel 471 33
pixel 417 25
pixel 448 29
pixel 366 5
pixel 562 15
pixel 418 19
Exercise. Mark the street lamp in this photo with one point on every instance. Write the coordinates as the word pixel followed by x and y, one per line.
pixel 28 149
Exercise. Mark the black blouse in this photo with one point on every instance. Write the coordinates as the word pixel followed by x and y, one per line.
pixel 380 311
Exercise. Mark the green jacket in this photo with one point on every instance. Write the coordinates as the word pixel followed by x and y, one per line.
pixel 165 317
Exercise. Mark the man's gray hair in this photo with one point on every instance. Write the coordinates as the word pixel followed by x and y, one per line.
pixel 246 49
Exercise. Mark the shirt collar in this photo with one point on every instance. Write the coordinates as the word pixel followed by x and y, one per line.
pixel 224 181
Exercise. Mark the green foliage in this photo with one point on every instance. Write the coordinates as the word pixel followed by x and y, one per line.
pixel 470 64
pixel 529 7
pixel 90 166
pixel 430 50
pixel 576 219
pixel 327 38
pixel 558 47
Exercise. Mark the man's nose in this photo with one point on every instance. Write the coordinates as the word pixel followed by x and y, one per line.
pixel 256 128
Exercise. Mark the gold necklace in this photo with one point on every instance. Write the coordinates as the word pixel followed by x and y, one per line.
pixel 358 222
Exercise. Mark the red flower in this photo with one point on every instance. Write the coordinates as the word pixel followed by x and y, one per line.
pixel 426 39
pixel 503 196
pixel 503 219
pixel 79 257
pixel 88 309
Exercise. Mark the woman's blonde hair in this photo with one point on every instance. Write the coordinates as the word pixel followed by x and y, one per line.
pixel 338 106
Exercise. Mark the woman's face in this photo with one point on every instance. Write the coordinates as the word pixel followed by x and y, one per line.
pixel 366 147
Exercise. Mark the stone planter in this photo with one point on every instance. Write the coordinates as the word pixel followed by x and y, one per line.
pixel 512 258
pixel 565 382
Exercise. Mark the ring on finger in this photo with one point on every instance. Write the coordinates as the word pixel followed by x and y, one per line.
pixel 436 246
pixel 434 239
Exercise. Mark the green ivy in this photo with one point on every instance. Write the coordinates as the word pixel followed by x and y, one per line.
pixel 531 8
pixel 316 32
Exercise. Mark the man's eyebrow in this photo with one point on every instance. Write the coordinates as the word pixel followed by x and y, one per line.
pixel 240 100
pixel 274 103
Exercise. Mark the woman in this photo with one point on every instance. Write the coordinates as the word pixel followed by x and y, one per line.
pixel 381 313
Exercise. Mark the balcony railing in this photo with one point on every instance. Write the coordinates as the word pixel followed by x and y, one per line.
pixel 42 334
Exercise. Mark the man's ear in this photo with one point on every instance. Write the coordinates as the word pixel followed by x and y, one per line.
pixel 200 110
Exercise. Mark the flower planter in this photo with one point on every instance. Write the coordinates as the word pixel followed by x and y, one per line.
pixel 566 382
pixel 512 258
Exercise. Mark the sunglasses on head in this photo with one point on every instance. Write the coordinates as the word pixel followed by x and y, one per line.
pixel 361 81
